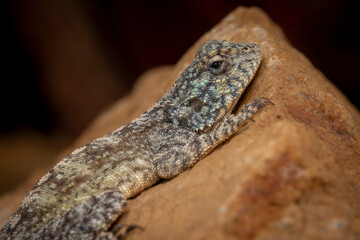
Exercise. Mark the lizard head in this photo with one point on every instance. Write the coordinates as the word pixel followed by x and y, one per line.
pixel 211 85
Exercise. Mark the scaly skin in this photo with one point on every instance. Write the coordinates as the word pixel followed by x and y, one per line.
pixel 85 192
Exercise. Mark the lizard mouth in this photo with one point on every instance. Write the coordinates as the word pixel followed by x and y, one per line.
pixel 236 106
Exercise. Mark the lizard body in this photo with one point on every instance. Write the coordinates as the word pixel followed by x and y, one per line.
pixel 85 192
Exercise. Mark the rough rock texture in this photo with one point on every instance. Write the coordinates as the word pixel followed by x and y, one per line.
pixel 292 174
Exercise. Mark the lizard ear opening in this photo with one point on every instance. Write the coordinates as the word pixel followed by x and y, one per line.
pixel 195 104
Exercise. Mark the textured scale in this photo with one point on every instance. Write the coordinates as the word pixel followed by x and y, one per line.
pixel 85 192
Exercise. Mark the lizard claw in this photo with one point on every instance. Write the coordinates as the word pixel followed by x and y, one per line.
pixel 262 101
pixel 122 230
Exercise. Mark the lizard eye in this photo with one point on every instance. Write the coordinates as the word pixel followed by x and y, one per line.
pixel 217 65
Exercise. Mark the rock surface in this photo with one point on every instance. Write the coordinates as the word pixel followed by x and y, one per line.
pixel 292 174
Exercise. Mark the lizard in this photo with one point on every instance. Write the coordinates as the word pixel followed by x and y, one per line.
pixel 85 193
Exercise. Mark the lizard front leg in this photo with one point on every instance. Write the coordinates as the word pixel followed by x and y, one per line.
pixel 170 165
pixel 88 220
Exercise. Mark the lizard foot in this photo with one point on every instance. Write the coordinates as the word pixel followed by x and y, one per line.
pixel 88 220
pixel 248 110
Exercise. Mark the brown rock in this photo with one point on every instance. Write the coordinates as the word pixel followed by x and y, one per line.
pixel 293 174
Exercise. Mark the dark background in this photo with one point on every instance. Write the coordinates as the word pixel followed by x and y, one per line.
pixel 64 61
